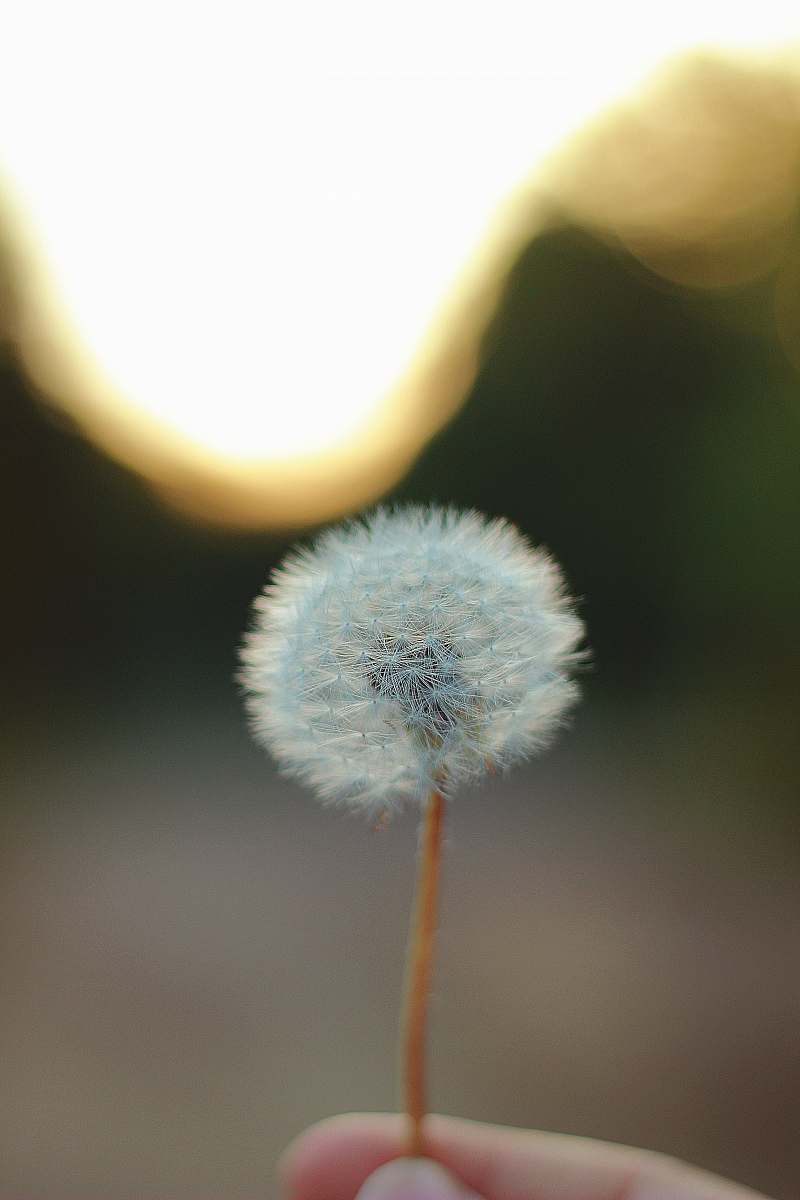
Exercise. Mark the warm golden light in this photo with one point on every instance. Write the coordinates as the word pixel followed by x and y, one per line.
pixel 698 176
pixel 246 233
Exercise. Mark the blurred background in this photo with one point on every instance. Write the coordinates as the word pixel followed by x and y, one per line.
pixel 254 277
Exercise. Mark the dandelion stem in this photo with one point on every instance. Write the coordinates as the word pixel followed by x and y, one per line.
pixel 419 956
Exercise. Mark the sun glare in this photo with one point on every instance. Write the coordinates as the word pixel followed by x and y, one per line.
pixel 240 225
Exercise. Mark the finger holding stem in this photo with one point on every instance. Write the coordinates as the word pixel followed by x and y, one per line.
pixel 419 958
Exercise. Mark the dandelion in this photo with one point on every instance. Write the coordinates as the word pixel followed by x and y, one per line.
pixel 418 648
pixel 401 657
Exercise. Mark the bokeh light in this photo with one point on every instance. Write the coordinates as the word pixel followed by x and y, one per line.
pixel 698 175
pixel 259 248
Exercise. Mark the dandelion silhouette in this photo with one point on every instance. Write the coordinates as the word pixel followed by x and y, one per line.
pixel 403 656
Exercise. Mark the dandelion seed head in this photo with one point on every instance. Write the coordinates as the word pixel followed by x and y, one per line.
pixel 417 648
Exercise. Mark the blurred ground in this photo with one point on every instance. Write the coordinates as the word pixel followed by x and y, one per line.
pixel 198 961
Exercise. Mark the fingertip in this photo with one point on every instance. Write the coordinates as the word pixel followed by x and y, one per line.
pixel 332 1159
pixel 413 1179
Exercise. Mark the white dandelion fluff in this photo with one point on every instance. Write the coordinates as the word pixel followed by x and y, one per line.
pixel 415 649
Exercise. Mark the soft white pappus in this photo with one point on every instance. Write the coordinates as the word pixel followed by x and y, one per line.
pixel 418 647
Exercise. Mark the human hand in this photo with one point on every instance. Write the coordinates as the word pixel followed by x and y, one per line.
pixel 357 1155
